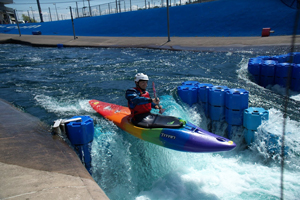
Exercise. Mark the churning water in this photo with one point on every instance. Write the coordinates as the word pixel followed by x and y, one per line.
pixel 52 83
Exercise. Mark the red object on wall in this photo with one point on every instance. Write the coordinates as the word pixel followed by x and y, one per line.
pixel 266 32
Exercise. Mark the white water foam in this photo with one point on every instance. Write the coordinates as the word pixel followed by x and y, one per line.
pixel 62 107
pixel 124 165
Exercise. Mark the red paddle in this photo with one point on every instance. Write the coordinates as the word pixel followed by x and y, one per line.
pixel 154 91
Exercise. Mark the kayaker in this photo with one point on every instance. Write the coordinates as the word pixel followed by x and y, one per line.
pixel 140 103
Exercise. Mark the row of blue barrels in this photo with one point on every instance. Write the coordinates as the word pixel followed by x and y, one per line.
pixel 81 135
pixel 271 70
pixel 219 102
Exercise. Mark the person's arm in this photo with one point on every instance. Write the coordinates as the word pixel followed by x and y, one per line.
pixel 133 97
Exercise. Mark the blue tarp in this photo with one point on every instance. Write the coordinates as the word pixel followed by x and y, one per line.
pixel 216 18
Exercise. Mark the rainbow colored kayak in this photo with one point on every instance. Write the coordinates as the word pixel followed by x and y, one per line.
pixel 188 137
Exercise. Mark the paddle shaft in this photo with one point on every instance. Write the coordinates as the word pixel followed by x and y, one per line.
pixel 154 91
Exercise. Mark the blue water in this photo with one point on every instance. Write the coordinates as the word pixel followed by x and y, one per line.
pixel 52 83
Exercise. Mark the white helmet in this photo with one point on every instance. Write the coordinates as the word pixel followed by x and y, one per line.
pixel 141 77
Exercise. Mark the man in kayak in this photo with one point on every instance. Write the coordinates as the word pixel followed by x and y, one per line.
pixel 139 101
pixel 140 104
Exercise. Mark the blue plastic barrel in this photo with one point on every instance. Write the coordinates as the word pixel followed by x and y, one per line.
pixel 234 117
pixel 267 73
pixel 60 46
pixel 280 59
pixel 236 101
pixel 296 58
pixel 282 73
pixel 252 119
pixel 295 83
pixel 203 89
pixel 254 66
pixel 80 133
pixel 216 102
pixel 188 94
pixel 216 95
pixel 249 136
pixel 36 33
pixel 254 116
pixel 216 113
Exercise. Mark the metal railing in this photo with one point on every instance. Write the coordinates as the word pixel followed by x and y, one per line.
pixel 120 6
pixel 116 6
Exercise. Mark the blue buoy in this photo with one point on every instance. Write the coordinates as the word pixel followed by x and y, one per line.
pixel 216 95
pixel 203 89
pixel 216 102
pixel 81 135
pixel 296 57
pixel 252 119
pixel 36 33
pixel 236 101
pixel 262 68
pixel 188 94
pixel 60 46
pixel 280 59
pixel 295 83
pixel 267 73
pixel 254 66
pixel 282 73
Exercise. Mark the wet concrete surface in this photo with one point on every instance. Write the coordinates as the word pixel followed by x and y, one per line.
pixel 176 43
pixel 34 164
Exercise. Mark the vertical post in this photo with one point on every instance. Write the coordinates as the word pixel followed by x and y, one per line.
pixel 56 12
pixel 29 16
pixel 99 10
pixel 40 11
pixel 72 23
pixel 145 5
pixel 168 18
pixel 50 14
pixel 117 6
pixel 120 6
pixel 77 10
pixel 130 6
pixel 90 8
pixel 17 21
pixel 32 14
pixel 109 8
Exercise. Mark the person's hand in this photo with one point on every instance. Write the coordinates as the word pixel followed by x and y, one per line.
pixel 155 100
pixel 158 107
